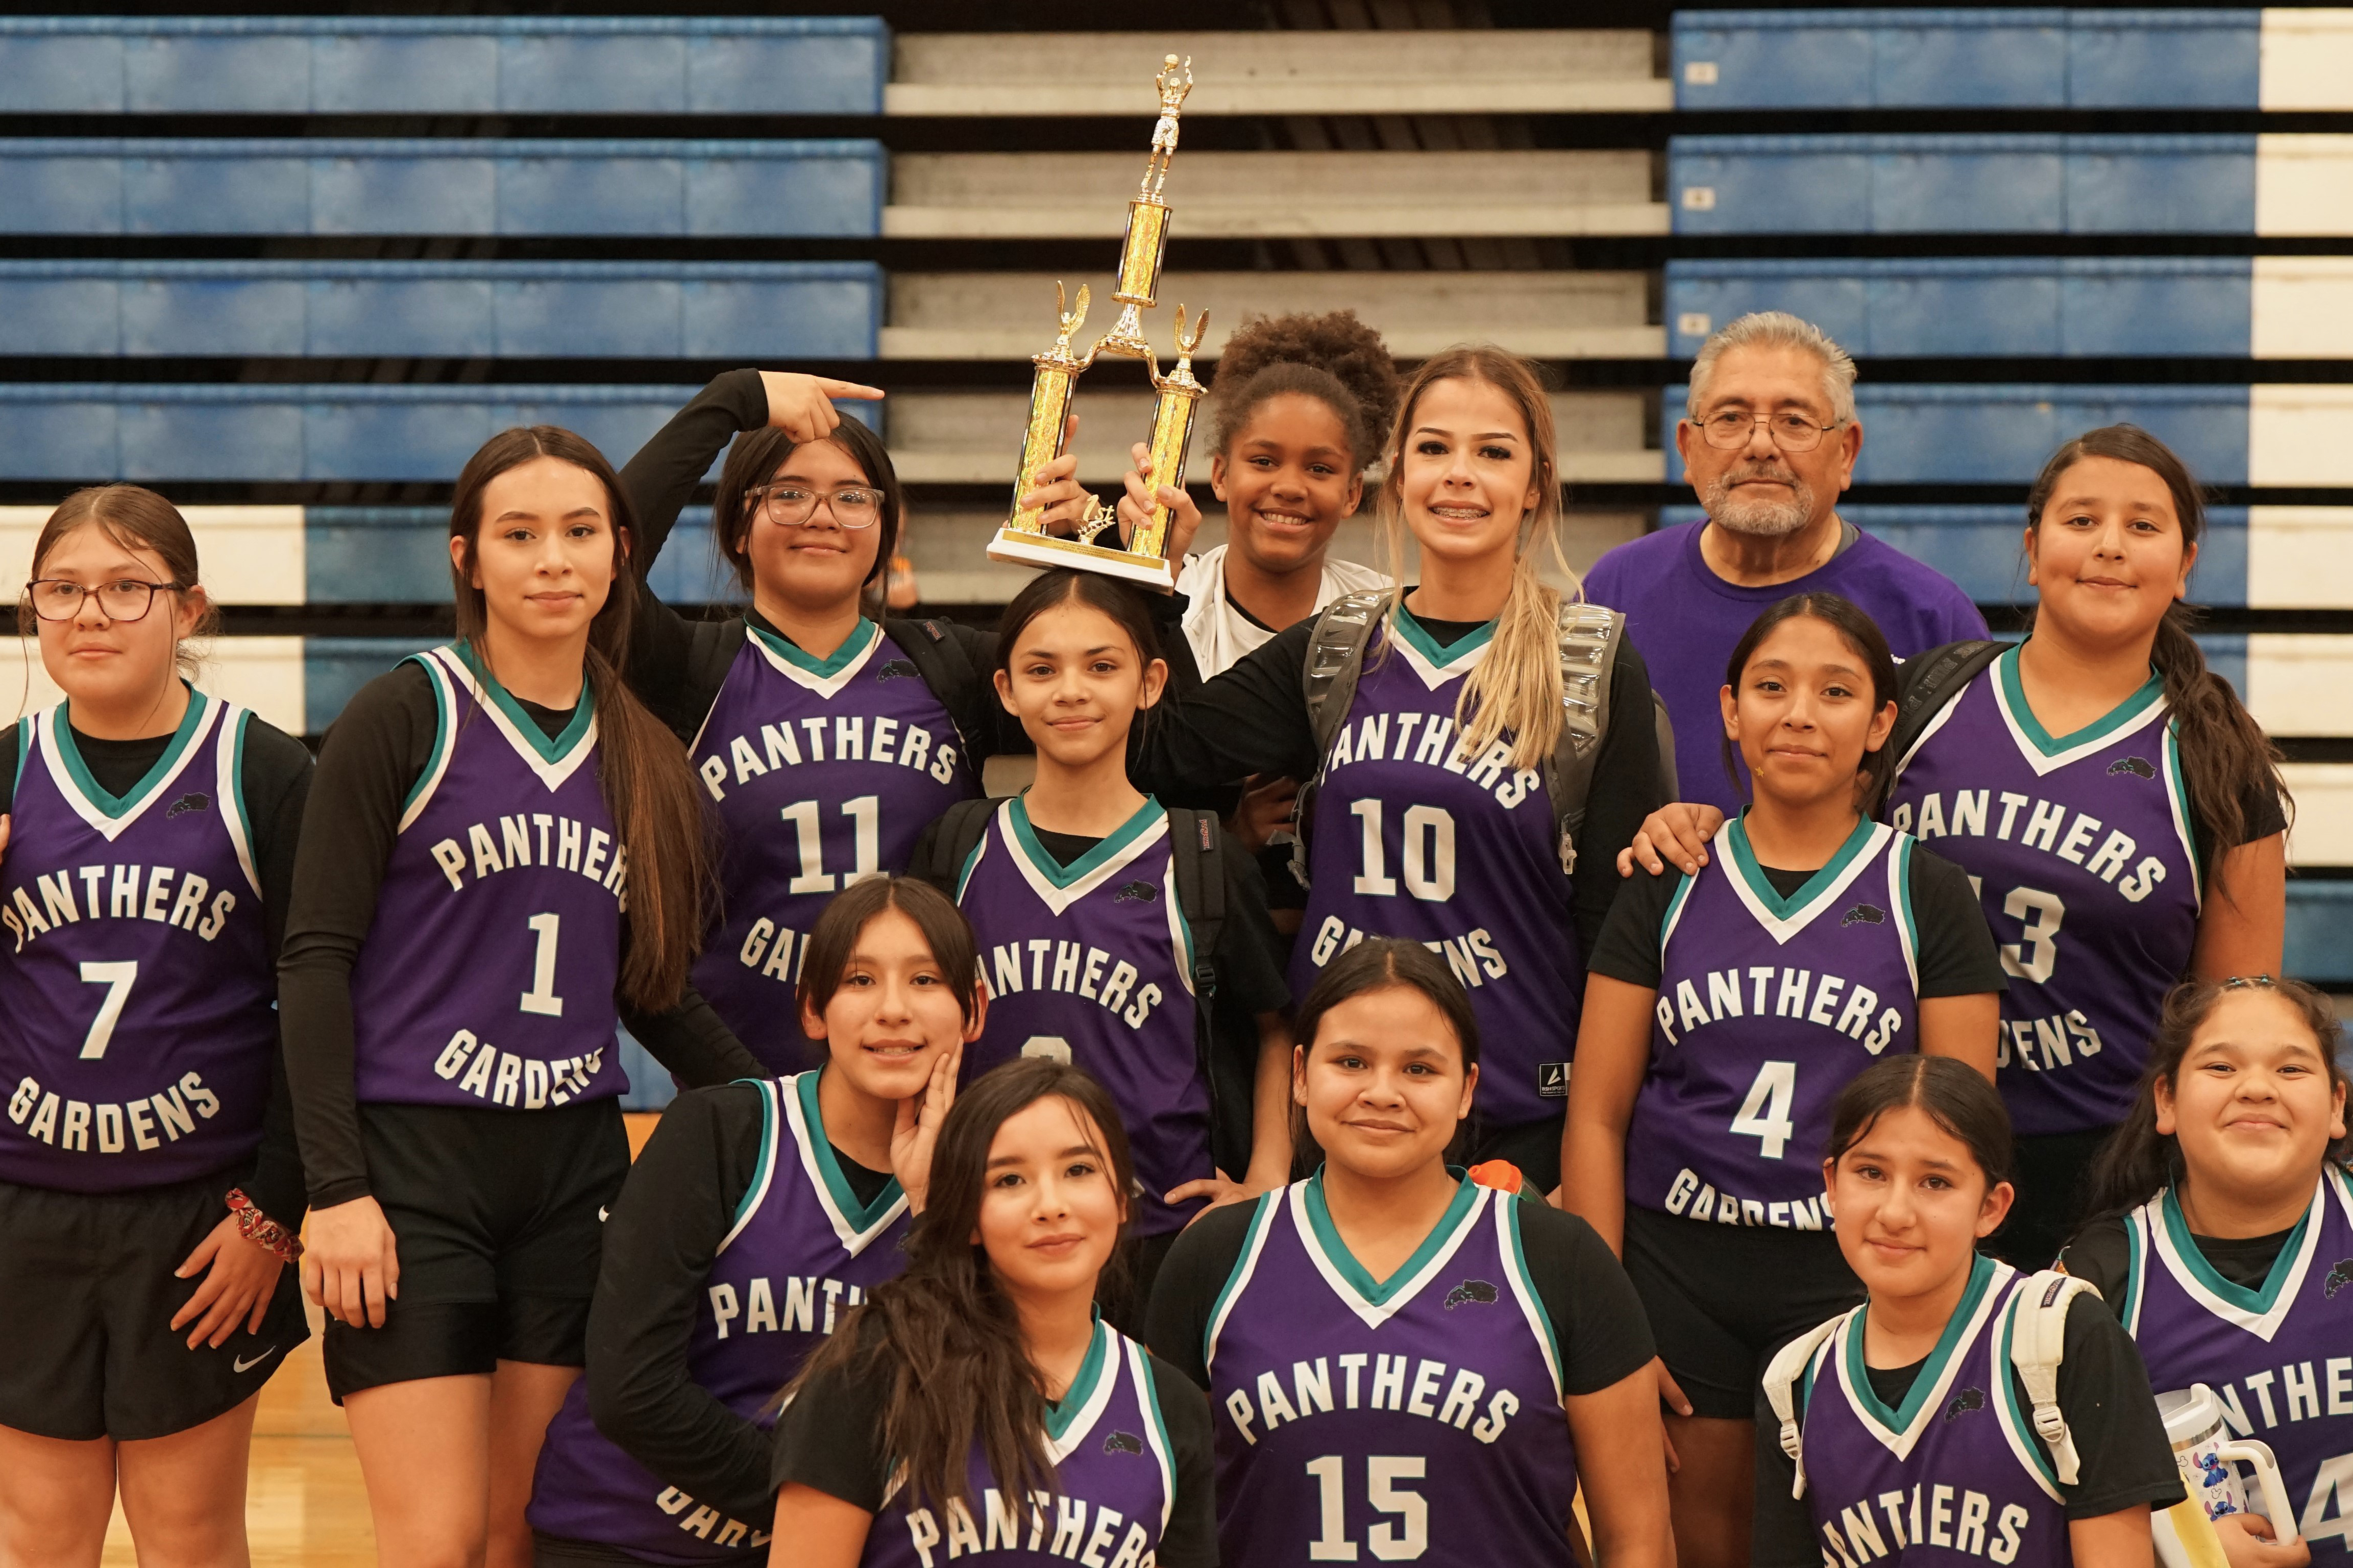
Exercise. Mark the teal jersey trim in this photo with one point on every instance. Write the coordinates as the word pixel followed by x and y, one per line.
pixel 116 806
pixel 1741 858
pixel 1025 838
pixel 1377 1292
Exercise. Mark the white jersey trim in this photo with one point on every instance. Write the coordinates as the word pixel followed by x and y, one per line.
pixel 230 755
pixel 2264 1324
pixel 853 1240
pixel 1524 1290
pixel 765 1171
pixel 151 789
pixel 1374 1315
pixel 1781 930
pixel 552 773
pixel 1155 1436
pixel 1060 898
pixel 1262 1225
pixel 1931 1403
pixel 824 676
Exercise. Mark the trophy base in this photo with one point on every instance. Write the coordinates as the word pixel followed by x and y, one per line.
pixel 1018 547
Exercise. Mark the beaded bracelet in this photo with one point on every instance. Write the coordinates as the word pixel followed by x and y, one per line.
pixel 261 1230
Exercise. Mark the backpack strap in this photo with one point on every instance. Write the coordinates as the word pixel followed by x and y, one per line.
pixel 1781 1374
pixel 940 656
pixel 1670 787
pixel 1927 683
pixel 1588 636
pixel 961 829
pixel 1335 658
pixel 2038 1343
pixel 1197 848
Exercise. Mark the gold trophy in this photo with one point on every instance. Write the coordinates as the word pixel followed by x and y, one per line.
pixel 1023 539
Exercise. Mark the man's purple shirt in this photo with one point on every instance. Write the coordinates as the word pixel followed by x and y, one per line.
pixel 1687 620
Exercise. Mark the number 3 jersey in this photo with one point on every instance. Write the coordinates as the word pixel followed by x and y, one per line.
pixel 487 976
pixel 1767 1006
pixel 137 1027
pixel 824 771
pixel 2082 852
pixel 2279 1357
pixel 1411 838
pixel 1418 1418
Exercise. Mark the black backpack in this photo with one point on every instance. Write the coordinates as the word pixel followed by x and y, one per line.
pixel 1197 848
pixel 947 668
pixel 1927 684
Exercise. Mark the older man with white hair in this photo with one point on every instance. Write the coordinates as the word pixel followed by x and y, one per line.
pixel 1770 438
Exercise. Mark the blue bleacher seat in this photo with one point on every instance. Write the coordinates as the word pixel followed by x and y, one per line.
pixel 518 309
pixel 2043 307
pixel 100 185
pixel 1995 183
pixel 2001 434
pixel 1994 57
pixel 443 65
pixel 2320 917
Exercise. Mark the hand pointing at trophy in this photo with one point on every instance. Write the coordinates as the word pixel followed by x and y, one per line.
pixel 1062 502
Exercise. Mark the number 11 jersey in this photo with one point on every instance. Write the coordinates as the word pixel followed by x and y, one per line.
pixel 824 771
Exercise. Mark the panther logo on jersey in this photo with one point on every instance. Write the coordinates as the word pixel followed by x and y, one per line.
pixel 2137 767
pixel 1135 893
pixel 190 801
pixel 1123 1443
pixel 898 669
pixel 1864 915
pixel 1477 1290
pixel 1966 1400
pixel 2338 1278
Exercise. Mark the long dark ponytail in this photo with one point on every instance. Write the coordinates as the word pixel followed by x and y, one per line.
pixel 946 1337
pixel 2137 1160
pixel 642 768
pixel 2224 752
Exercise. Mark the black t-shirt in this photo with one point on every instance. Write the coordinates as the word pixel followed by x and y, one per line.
pixel 274 771
pixel 376 751
pixel 2101 1255
pixel 1596 1318
pixel 1253 718
pixel 831 1438
pixel 662 1236
pixel 1957 951
pixel 2120 1442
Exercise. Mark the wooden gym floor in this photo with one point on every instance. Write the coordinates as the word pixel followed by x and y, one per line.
pixel 305 1505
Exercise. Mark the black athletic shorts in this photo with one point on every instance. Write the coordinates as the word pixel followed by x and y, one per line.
pixel 1723 1298
pixel 87 1299
pixel 497 1216
pixel 1533 1146
pixel 2052 1173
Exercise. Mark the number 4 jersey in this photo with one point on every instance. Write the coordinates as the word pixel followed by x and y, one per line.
pixel 2090 832
pixel 136 1021
pixel 824 770
pixel 487 977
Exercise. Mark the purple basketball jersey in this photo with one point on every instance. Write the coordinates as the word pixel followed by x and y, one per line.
pixel 824 771
pixel 2280 1358
pixel 1767 1006
pixel 1411 838
pixel 803 1252
pixel 136 1019
pixel 1115 1479
pixel 1092 963
pixel 2090 829
pixel 1343 1433
pixel 487 978
pixel 1956 1473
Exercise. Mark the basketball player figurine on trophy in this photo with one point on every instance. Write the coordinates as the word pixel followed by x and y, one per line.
pixel 1024 540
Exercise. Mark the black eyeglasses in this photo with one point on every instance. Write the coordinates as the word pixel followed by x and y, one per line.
pixel 124 599
pixel 791 506
pixel 1730 429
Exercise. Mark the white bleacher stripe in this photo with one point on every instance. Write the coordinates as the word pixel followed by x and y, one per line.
pixel 2323 834
pixel 2295 435
pixel 249 554
pixel 2301 683
pixel 2303 185
pixel 2307 58
pixel 264 674
pixel 2300 558
pixel 1343 72
pixel 2302 307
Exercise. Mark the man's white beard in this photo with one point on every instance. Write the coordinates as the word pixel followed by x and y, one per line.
pixel 1759 518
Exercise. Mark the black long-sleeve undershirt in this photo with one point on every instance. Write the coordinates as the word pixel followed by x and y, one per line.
pixel 275 775
pixel 374 754
pixel 1253 718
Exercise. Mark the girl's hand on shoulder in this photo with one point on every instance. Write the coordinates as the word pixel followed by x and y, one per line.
pixel 1677 832
pixel 802 406
pixel 1220 1190
pixel 917 1132
pixel 1264 810
pixel 351 1262
pixel 240 1278
pixel 2249 1541
pixel 1135 508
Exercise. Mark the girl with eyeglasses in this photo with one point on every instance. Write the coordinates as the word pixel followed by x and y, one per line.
pixel 2120 811
pixel 150 1190
pixel 824 739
